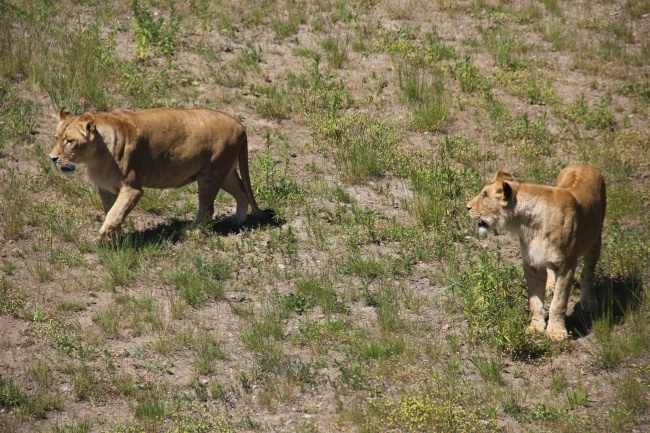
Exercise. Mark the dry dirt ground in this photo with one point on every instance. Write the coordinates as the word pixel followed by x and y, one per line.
pixel 319 405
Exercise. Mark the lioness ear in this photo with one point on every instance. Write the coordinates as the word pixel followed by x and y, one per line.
pixel 503 173
pixel 507 191
pixel 63 114
pixel 86 124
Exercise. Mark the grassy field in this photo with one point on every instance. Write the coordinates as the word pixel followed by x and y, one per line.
pixel 369 303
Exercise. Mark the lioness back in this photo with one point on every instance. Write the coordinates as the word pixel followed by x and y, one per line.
pixel 587 186
pixel 180 143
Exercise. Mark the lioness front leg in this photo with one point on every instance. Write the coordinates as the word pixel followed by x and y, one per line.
pixel 126 200
pixel 556 329
pixel 536 283
pixel 108 199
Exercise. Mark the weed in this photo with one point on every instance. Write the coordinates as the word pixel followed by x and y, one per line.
pixel 150 409
pixel 364 147
pixel 219 269
pixel 558 381
pixel 287 25
pixel 424 91
pixel 148 31
pixel 468 75
pixel 276 184
pixel 195 288
pixel 533 88
pixel 335 52
pixel 576 397
pixel 597 116
pixel 319 291
pixel 41 373
pixel 425 411
pixel 494 305
pixel 277 102
pixel 84 383
pixel 74 426
pixel 294 303
pixel 489 369
pixel 207 348
pixel 120 264
pixel 11 395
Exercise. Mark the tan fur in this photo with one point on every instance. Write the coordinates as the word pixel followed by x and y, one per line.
pixel 555 225
pixel 125 151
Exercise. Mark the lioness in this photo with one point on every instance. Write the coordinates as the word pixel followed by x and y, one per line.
pixel 556 225
pixel 125 151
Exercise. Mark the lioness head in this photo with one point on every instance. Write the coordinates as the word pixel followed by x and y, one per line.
pixel 489 205
pixel 74 140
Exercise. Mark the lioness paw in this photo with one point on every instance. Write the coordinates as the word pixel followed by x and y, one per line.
pixel 557 334
pixel 535 326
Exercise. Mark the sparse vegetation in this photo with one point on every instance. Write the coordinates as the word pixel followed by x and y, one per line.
pixel 366 302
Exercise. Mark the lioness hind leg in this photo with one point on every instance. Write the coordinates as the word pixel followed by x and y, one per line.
pixel 588 300
pixel 234 186
pixel 209 185
pixel 536 282
pixel 556 329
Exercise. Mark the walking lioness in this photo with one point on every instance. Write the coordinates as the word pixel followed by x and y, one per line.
pixel 556 225
pixel 125 151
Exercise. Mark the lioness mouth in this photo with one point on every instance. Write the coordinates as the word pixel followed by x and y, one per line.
pixel 483 226
pixel 67 169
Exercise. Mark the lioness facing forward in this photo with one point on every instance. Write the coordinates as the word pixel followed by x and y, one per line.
pixel 125 151
pixel 556 225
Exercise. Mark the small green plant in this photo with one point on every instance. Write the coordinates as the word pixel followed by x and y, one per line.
pixel 207 348
pixel 576 397
pixel 41 373
pixel 295 303
pixel 468 75
pixel 494 305
pixel 11 395
pixel 608 347
pixel 335 52
pixel 425 411
pixel 195 288
pixel 148 31
pixel 596 116
pixel 84 383
pixel 319 291
pixel 150 410
pixel 73 426
pixel 276 101
pixel 558 381
pixel 424 92
pixel 219 269
pixel 121 263
pixel 287 21
pixel 488 368
pixel 364 147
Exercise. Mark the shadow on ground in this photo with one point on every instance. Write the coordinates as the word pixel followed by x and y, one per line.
pixel 172 231
pixel 616 296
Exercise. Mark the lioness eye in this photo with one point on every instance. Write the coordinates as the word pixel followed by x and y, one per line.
pixel 484 194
